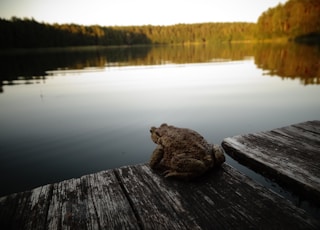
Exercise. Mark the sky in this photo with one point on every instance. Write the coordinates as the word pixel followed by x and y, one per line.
pixel 136 12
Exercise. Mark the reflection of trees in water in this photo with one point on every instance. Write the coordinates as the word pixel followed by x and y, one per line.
pixel 197 53
pixel 33 64
pixel 290 61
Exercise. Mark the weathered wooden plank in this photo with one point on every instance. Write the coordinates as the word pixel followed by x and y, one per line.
pixel 290 154
pixel 301 132
pixel 111 205
pixel 265 207
pixel 25 210
pixel 222 199
pixel 157 205
pixel 94 201
pixel 91 202
pixel 135 197
pixel 69 207
pixel 312 126
pixel 243 204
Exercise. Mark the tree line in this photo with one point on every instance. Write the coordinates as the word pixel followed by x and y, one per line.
pixel 27 33
pixel 291 20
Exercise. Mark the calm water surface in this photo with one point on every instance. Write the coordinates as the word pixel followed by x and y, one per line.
pixel 66 113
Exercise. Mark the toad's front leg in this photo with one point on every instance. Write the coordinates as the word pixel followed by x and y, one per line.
pixel 218 155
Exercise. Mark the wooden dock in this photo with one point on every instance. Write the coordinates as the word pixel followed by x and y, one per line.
pixel 136 197
pixel 290 155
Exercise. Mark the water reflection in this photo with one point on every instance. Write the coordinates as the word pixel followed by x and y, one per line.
pixel 284 60
pixel 32 64
pixel 290 61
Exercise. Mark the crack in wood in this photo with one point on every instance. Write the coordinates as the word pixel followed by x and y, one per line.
pixel 131 203
pixel 50 194
pixel 96 211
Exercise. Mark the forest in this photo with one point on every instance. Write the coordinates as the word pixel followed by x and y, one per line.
pixel 294 20
pixel 26 33
pixel 291 20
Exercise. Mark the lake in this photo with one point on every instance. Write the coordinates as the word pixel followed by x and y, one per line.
pixel 73 111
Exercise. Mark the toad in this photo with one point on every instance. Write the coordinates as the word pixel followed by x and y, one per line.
pixel 183 153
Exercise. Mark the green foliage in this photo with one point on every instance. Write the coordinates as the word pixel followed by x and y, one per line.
pixel 294 18
pixel 27 33
pixel 196 33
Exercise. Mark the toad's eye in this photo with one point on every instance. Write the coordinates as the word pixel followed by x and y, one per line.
pixel 152 129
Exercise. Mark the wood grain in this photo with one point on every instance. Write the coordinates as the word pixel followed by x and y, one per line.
pixel 290 154
pixel 135 197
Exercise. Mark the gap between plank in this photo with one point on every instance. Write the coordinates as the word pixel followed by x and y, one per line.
pixel 135 212
pixel 50 195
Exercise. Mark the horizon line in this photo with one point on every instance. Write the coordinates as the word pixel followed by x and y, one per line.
pixel 119 25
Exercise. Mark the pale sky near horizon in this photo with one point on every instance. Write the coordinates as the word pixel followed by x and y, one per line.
pixel 136 12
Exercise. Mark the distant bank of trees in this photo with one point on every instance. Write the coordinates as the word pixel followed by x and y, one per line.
pixel 293 19
pixel 296 18
pixel 27 33
pixel 30 33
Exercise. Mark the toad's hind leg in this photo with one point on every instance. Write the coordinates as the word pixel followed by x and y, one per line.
pixel 180 175
pixel 186 168
pixel 156 157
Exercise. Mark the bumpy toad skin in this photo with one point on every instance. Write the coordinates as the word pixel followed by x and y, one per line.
pixel 183 153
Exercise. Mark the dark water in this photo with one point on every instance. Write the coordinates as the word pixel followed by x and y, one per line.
pixel 69 112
